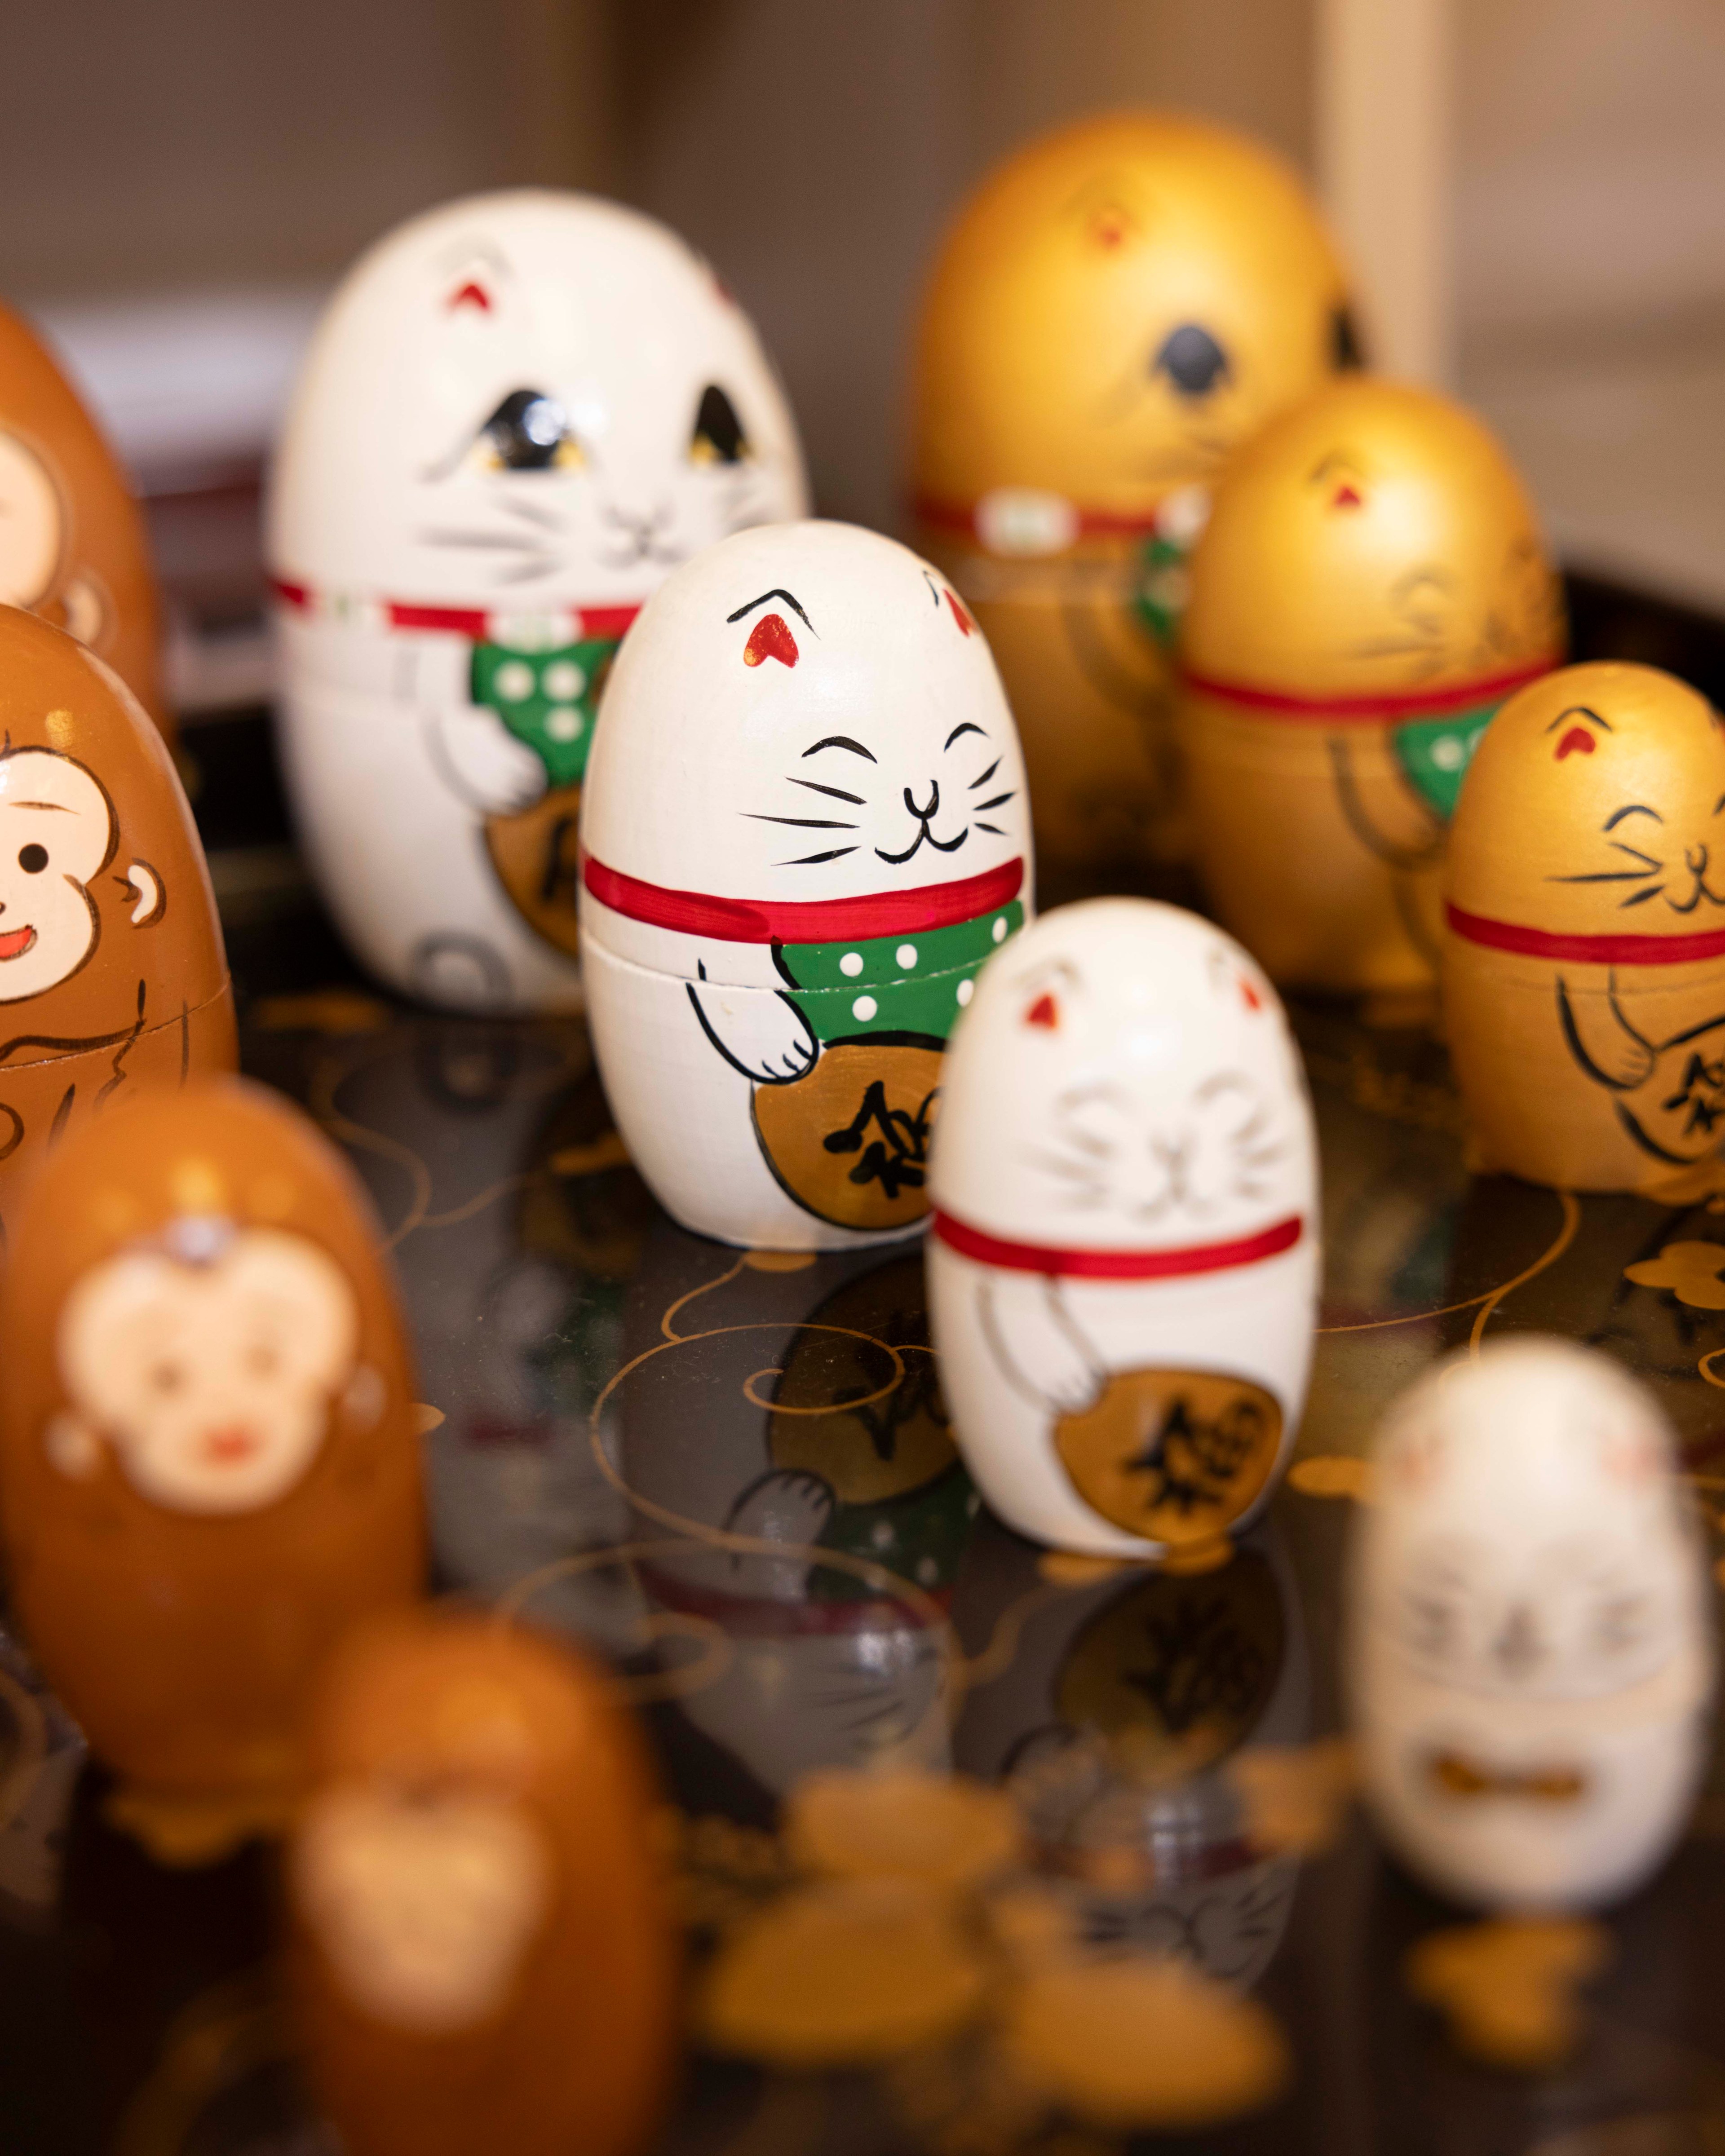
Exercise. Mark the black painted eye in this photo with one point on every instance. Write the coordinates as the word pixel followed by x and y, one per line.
pixel 1346 353
pixel 32 859
pixel 529 432
pixel 718 436
pixel 1191 360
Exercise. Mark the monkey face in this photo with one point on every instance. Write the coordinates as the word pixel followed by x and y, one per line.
pixel 425 1902
pixel 212 1379
pixel 32 525
pixel 57 834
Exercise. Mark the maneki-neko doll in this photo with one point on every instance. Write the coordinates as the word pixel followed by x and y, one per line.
pixel 803 830
pixel 1584 972
pixel 520 411
pixel 1124 1257
pixel 1371 587
pixel 1118 307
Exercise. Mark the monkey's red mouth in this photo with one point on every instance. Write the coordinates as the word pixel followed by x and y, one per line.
pixel 228 1447
pixel 16 942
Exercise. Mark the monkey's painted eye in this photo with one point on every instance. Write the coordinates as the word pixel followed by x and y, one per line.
pixel 165 1377
pixel 528 432
pixel 261 1361
pixel 718 438
pixel 32 859
pixel 1193 361
pixel 1345 353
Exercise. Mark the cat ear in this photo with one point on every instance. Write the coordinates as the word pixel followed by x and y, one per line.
pixel 771 638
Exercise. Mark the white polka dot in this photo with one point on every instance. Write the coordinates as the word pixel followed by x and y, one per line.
pixel 564 680
pixel 513 681
pixel 999 928
pixel 967 989
pixel 851 964
pixel 927 1571
pixel 906 956
pixel 880 1534
pixel 1447 752
pixel 864 1008
pixel 563 723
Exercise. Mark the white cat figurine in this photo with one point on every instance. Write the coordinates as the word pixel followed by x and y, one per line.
pixel 803 830
pixel 1530 1630
pixel 1124 1263
pixel 519 411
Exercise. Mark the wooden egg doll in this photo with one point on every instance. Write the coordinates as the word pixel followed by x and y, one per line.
pixel 1584 938
pixel 207 1461
pixel 1530 1638
pixel 485 1951
pixel 1118 306
pixel 112 973
pixel 803 830
pixel 1371 586
pixel 72 542
pixel 520 411
pixel 1124 1266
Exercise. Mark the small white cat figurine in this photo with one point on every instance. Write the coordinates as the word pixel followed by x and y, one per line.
pixel 520 411
pixel 802 831
pixel 1124 1263
pixel 1530 1630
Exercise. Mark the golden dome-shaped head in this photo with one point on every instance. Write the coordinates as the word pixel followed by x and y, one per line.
pixel 1374 542
pixel 1118 306
pixel 1595 806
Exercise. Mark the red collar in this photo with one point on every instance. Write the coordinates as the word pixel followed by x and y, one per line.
pixel 479 624
pixel 1088 523
pixel 804 921
pixel 1413 704
pixel 1678 950
pixel 1118 1265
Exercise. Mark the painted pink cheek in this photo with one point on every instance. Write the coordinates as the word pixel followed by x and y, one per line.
pixel 1577 741
pixel 771 638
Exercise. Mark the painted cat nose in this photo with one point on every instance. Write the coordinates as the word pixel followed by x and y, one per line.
pixel 1696 858
pixel 925 815
pixel 1517 1647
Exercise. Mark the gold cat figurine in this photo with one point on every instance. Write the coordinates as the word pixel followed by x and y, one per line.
pixel 1584 972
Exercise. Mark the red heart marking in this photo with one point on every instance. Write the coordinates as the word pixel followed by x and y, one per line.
pixel 1345 497
pixel 959 615
pixel 471 295
pixel 770 638
pixel 1043 1011
pixel 1577 739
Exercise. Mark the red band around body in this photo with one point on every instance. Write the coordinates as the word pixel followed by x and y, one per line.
pixel 1680 950
pixel 473 623
pixel 1091 523
pixel 1117 1265
pixel 804 921
pixel 1417 703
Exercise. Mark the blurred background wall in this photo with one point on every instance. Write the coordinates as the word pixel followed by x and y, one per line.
pixel 181 182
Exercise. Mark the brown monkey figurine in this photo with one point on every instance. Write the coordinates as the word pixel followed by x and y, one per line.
pixel 486 1955
pixel 112 972
pixel 72 543
pixel 208 1464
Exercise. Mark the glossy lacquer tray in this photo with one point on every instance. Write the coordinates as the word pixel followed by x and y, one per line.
pixel 733 1475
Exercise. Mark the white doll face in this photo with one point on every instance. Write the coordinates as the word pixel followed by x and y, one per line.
pixel 529 400
pixel 1530 1541
pixel 32 526
pixel 425 1902
pixel 57 832
pixel 1124 1077
pixel 808 711
pixel 212 1378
